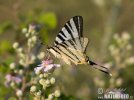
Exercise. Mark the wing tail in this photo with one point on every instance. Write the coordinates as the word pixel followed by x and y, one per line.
pixel 99 67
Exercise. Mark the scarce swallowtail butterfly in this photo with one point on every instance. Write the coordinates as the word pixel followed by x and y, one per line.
pixel 70 45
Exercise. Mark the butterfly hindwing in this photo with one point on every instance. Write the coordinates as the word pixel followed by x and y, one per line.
pixel 70 51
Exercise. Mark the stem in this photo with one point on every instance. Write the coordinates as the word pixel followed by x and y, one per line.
pixel 110 24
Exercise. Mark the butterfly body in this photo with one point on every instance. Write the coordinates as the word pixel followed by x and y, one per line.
pixel 70 45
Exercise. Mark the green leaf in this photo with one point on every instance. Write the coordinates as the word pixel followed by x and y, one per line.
pixel 49 19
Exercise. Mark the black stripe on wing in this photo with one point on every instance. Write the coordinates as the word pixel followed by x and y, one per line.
pixel 72 29
pixel 79 25
pixel 62 48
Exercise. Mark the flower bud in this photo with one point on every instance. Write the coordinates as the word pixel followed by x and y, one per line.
pixel 57 93
pixel 21 72
pixel 52 80
pixel 50 96
pixel 12 65
pixel 19 50
pixel 34 38
pixel 33 88
pixel 38 93
pixel 42 81
pixel 130 60
pixel 24 30
pixel 16 71
pixel 125 36
pixel 12 84
pixel 41 75
pixel 41 55
pixel 19 93
pixel 21 62
pixel 44 86
pixel 27 35
pixel 29 40
pixel 21 55
pixel 15 45
pixel 47 82
pixel 37 72
pixel 45 75
pixel 33 57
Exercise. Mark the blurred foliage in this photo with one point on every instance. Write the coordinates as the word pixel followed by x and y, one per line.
pixel 102 19
pixel 4 27
pixel 5 46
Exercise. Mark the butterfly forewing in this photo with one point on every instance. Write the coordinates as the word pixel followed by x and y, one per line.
pixel 71 30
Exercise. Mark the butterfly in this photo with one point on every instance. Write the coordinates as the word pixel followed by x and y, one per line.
pixel 70 45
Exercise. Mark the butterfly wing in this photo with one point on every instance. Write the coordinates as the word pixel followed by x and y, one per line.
pixel 71 30
pixel 69 51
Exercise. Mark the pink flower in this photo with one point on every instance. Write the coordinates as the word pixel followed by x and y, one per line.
pixel 33 27
pixel 45 66
pixel 12 78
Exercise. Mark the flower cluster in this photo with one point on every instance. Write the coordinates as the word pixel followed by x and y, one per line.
pixel 121 56
pixel 22 75
pixel 45 80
